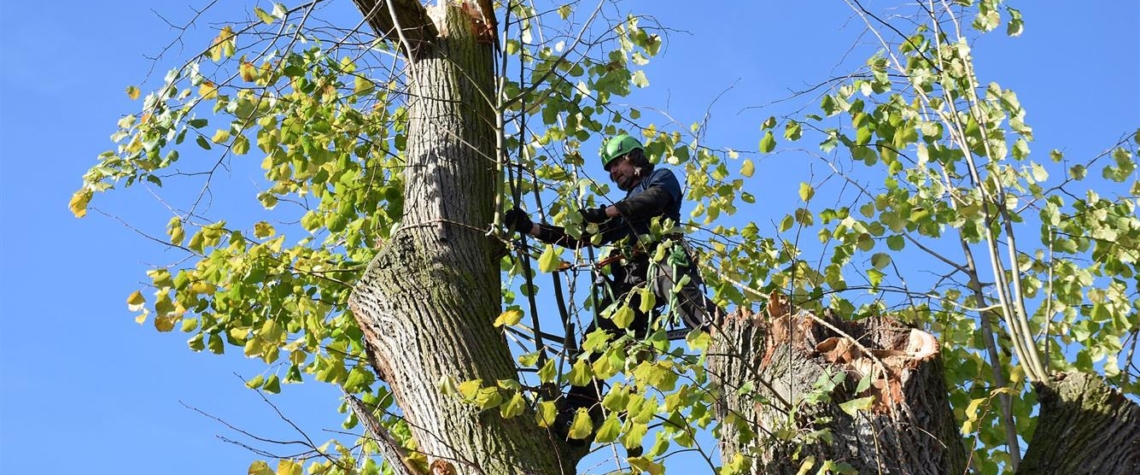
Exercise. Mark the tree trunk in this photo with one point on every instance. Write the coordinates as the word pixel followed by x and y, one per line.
pixel 775 418
pixel 427 301
pixel 1084 427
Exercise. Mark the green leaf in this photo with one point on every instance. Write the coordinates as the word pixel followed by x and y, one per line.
pixel 547 372
pixel 564 11
pixel 256 382
pixel 215 344
pixel 787 223
pixel 793 131
pixel 132 92
pixel 272 385
pixel 768 143
pixel 647 300
pixel 1016 24
pixel 609 431
pixel 875 277
pixel 528 360
pixel 513 407
pixel 623 316
pixel 263 15
pixel 880 260
pixel 220 136
pixel 549 261
pixel 896 242
pixel 855 405
pixel 545 413
pixel 597 341
pixel 580 374
pixel 240 145
pixel 582 425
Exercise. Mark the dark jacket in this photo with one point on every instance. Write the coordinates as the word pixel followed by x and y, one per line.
pixel 658 194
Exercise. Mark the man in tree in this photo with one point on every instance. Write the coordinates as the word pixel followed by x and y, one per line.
pixel 651 193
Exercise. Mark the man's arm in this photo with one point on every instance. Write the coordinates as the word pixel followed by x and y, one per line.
pixel 662 191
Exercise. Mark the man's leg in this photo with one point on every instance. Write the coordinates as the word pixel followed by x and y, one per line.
pixel 589 396
pixel 694 308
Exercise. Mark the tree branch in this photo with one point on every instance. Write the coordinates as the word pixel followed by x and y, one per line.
pixel 399 20
pixel 389 447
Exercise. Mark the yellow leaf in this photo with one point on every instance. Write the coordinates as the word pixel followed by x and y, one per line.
pixel 239 333
pixel 263 230
pixel 549 261
pixel 248 71
pixel 135 301
pixel 221 136
pixel 142 317
pixel 208 90
pixel 468 389
pixel 510 317
pixel 200 287
pixel 362 85
pixel 623 316
pixel 806 191
pixel 79 202
pixel 259 468
pixel 747 169
pixel 648 300
pixel 132 92
pixel 175 231
pixel 288 467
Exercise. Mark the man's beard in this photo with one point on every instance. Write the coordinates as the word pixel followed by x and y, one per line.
pixel 627 182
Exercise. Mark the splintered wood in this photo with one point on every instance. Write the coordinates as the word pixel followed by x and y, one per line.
pixel 881 347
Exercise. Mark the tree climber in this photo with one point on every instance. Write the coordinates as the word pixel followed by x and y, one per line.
pixel 651 193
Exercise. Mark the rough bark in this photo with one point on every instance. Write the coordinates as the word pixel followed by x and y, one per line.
pixel 1084 427
pixel 427 301
pixel 765 371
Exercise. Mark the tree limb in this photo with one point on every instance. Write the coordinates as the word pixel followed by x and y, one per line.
pixel 389 447
pixel 405 20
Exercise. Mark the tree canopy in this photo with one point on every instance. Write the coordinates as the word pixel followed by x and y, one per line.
pixel 924 203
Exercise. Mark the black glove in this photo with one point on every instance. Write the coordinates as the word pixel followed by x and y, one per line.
pixel 518 220
pixel 594 215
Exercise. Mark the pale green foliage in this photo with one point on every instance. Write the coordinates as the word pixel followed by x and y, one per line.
pixel 328 129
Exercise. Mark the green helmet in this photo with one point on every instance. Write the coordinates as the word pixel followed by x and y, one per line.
pixel 618 146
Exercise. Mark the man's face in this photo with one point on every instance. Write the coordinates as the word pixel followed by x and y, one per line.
pixel 623 173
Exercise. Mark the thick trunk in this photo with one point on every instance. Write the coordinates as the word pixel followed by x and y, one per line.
pixel 773 419
pixel 1085 427
pixel 427 301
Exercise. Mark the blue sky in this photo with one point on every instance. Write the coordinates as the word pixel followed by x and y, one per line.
pixel 83 387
